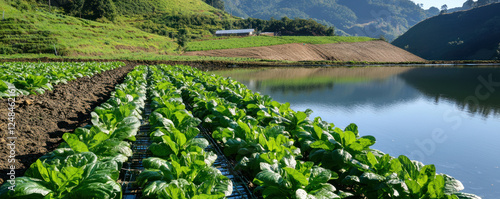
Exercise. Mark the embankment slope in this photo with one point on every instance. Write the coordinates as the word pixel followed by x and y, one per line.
pixel 370 51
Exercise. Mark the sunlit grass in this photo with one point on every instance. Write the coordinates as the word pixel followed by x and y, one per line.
pixel 75 36
pixel 256 41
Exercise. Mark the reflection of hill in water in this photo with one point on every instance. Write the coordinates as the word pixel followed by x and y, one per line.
pixel 313 73
pixel 374 93
pixel 289 81
pixel 458 85
pixel 373 86
pixel 340 86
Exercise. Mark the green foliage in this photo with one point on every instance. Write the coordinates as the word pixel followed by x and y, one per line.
pixel 94 9
pixel 75 7
pixel 32 78
pixel 22 5
pixel 287 26
pixel 219 4
pixel 182 38
pixel 67 174
pixel 88 9
pixel 180 167
pixel 303 181
pixel 88 164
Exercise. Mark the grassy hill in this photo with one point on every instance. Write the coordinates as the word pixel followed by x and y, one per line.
pixel 31 31
pixel 145 26
pixel 464 35
pixel 138 29
pixel 166 17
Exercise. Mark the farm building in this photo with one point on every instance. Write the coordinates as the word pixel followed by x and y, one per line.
pixel 239 32
pixel 268 33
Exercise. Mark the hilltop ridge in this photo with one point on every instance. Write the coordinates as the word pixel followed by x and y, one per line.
pixel 372 18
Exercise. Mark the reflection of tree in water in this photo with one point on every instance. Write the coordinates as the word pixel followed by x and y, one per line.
pixel 301 88
pixel 459 86
pixel 288 86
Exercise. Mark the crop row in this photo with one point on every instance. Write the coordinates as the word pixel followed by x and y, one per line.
pixel 88 163
pixel 31 78
pixel 291 156
pixel 180 167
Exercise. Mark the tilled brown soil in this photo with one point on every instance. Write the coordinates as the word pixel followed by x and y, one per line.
pixel 41 120
pixel 370 51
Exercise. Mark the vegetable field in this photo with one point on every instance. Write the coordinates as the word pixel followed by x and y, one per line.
pixel 184 116
pixel 32 78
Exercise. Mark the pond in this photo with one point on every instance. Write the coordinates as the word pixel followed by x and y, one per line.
pixel 448 116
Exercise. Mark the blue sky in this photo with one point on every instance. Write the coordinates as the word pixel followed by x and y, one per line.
pixel 439 3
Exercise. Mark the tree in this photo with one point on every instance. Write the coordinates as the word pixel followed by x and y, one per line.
pixel 182 38
pixel 75 7
pixel 219 4
pixel 95 9
pixel 444 9
pixel 468 4
pixel 498 52
pixel 433 11
pixel 382 38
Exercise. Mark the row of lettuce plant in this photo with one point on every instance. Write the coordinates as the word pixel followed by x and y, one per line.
pixel 179 168
pixel 31 78
pixel 293 156
pixel 88 163
pixel 267 153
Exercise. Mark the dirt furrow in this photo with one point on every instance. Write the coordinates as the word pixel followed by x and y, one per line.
pixel 41 120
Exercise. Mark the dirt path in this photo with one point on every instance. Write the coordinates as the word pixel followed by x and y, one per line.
pixel 370 51
pixel 42 119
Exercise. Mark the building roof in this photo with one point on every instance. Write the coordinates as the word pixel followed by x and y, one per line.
pixel 239 31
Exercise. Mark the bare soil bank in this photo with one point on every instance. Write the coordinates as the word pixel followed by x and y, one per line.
pixel 42 119
pixel 370 51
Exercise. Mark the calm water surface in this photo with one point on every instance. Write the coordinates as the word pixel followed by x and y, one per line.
pixel 446 116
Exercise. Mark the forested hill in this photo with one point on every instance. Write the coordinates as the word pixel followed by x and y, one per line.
pixel 464 35
pixel 373 18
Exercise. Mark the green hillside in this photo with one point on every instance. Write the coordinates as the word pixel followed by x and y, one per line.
pixel 31 31
pixel 104 27
pixel 166 17
pixel 464 35
pixel 372 18
pixel 131 28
